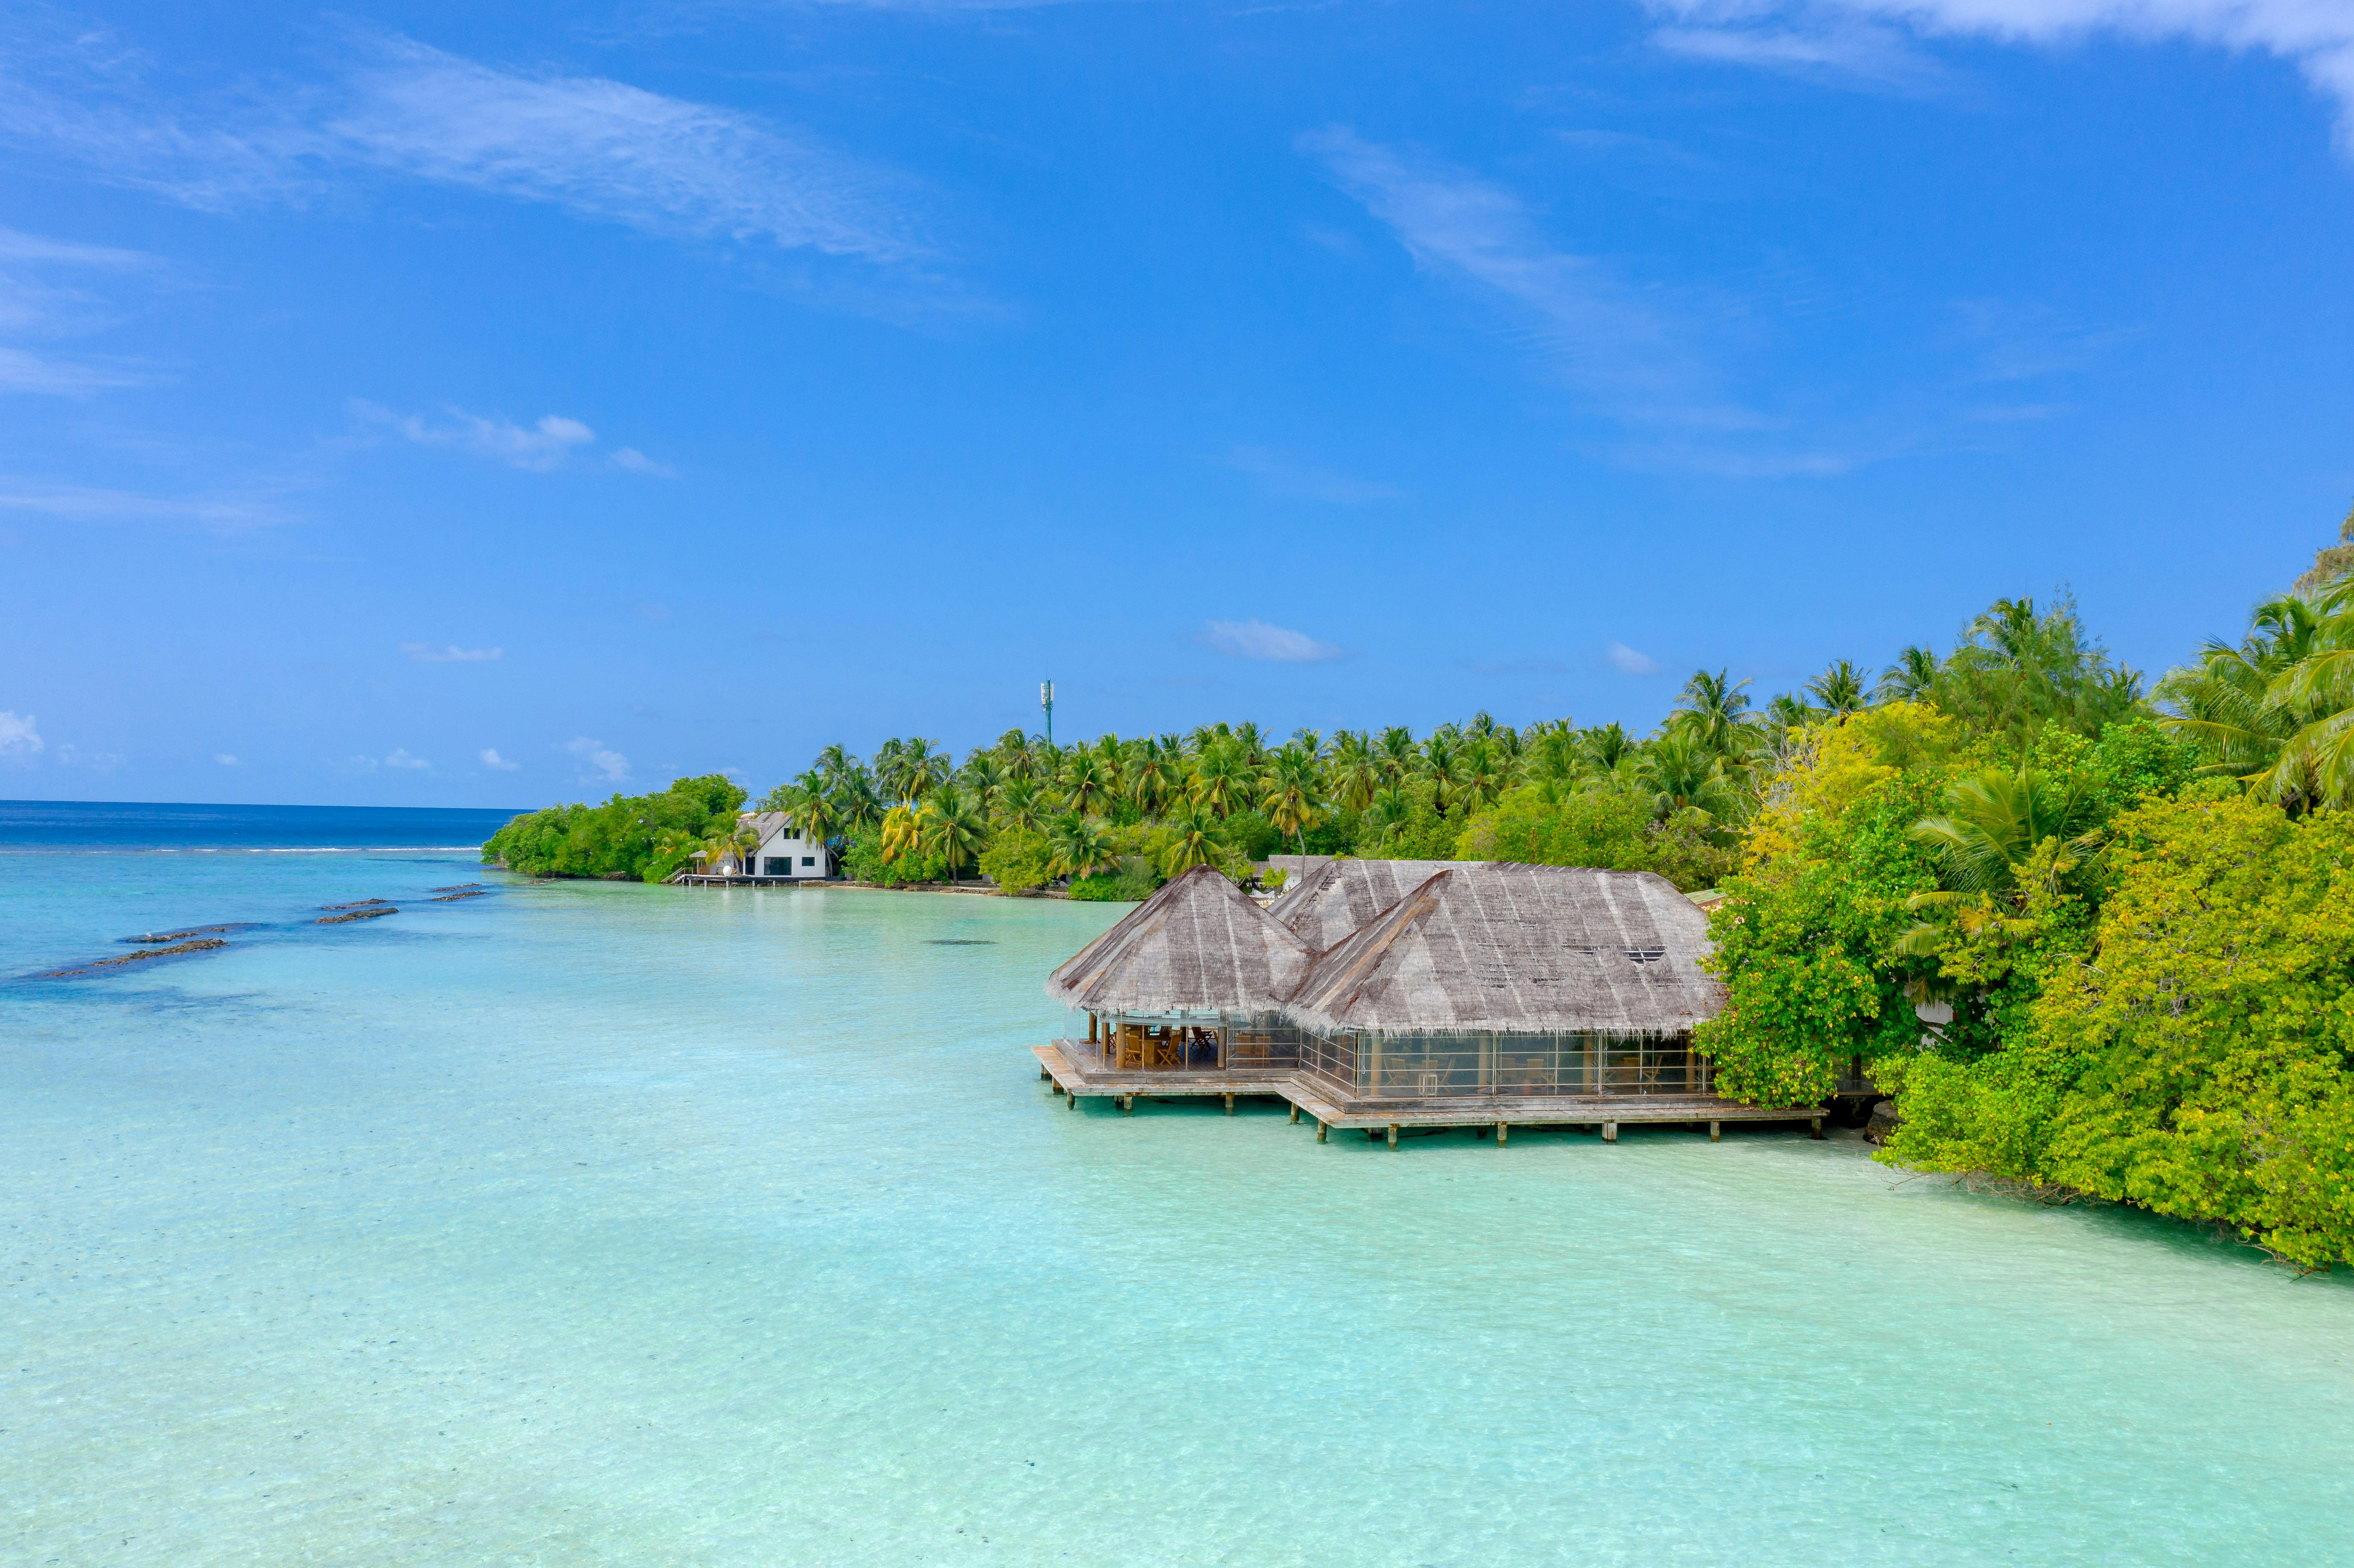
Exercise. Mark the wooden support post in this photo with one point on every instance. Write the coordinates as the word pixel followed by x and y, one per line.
pixel 1319 1129
pixel 1128 1104
pixel 1503 1131
pixel 1609 1132
pixel 1230 1105
pixel 1392 1135
pixel 1043 1076
pixel 1295 1113
pixel 1716 1132
pixel 1075 1100
pixel 1815 1127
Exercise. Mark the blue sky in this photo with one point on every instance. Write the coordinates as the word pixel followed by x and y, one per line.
pixel 411 404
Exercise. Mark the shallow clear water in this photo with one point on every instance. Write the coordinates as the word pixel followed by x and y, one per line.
pixel 594 1222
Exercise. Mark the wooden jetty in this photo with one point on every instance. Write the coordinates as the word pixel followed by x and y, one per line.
pixel 1059 1063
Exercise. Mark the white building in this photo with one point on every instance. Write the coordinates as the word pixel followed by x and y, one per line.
pixel 783 852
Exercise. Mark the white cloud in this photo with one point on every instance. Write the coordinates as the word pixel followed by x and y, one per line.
pixel 450 654
pixel 1627 662
pixel 22 370
pixel 1620 351
pixel 609 766
pixel 1273 644
pixel 598 148
pixel 225 758
pixel 1281 475
pixel 1861 37
pixel 20 738
pixel 401 758
pixel 537 448
pixel 636 461
pixel 497 764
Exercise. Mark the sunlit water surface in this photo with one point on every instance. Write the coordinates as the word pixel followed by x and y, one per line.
pixel 592 1223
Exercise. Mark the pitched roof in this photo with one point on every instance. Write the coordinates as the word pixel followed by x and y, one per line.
pixel 1330 900
pixel 1538 949
pixel 1197 945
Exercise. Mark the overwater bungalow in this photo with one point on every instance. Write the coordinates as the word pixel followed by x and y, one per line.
pixel 1192 979
pixel 1385 994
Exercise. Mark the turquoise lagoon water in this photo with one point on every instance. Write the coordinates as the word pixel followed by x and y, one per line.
pixel 605 1223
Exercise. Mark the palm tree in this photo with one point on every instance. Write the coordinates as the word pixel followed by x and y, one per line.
pixel 1293 802
pixel 1221 779
pixel 1079 846
pixel 1839 690
pixel 1682 773
pixel 2277 711
pixel 922 769
pixel 810 805
pixel 1355 771
pixel 1022 805
pixel 2001 833
pixel 1397 754
pixel 1089 783
pixel 1606 746
pixel 1481 773
pixel 1389 809
pixel 731 846
pixel 1993 822
pixel 1193 840
pixel 984 774
pixel 1909 680
pixel 951 826
pixel 676 846
pixel 900 834
pixel 1155 777
pixel 1715 709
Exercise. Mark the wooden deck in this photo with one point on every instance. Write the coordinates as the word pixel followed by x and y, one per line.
pixel 1331 1109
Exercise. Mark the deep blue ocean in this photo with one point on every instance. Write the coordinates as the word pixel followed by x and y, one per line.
pixel 599 1222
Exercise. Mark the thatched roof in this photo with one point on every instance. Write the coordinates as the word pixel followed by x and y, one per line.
pixel 766 823
pixel 1540 949
pixel 1334 897
pixel 1197 945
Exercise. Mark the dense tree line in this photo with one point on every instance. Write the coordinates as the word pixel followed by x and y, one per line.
pixel 2096 938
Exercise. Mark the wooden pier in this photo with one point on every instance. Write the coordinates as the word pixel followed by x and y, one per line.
pixel 1329 1110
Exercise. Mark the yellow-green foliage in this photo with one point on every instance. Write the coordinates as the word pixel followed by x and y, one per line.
pixel 2200 1062
pixel 1834 764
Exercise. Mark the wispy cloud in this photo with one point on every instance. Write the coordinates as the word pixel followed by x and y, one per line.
pixel 494 762
pixel 20 736
pixel 631 460
pixel 1281 475
pixel 538 447
pixel 96 505
pixel 1869 40
pixel 1627 662
pixel 599 763
pixel 1839 50
pixel 450 654
pixel 608 150
pixel 226 760
pixel 1272 644
pixel 2021 343
pixel 401 758
pixel 1629 358
pixel 597 147
pixel 43 299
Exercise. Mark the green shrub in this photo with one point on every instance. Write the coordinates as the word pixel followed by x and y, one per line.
pixel 1018 860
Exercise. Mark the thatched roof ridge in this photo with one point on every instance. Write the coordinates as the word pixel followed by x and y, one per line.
pixel 1537 949
pixel 1197 945
pixel 1339 897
